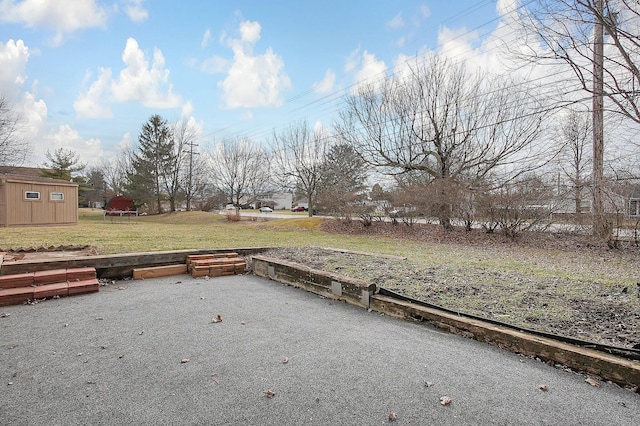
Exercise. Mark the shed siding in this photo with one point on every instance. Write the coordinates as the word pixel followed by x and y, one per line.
pixel 3 202
pixel 15 210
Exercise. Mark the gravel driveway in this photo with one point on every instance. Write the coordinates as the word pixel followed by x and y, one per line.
pixel 148 353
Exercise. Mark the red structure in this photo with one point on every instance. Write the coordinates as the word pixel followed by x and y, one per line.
pixel 121 206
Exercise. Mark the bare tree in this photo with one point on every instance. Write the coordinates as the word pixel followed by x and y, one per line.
pixel 299 156
pixel 13 147
pixel 442 121
pixel 237 168
pixel 598 40
pixel 574 135
pixel 563 30
pixel 115 169
pixel 191 170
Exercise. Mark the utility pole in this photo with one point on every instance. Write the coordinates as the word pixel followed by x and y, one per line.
pixel 191 144
pixel 600 227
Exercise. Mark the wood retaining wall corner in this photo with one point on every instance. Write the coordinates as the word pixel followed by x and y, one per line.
pixel 354 291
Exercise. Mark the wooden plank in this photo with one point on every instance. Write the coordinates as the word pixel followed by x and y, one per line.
pixel 15 296
pixel 159 271
pixel 118 265
pixel 214 262
pixel 51 290
pixel 82 287
pixel 50 277
pixel 17 280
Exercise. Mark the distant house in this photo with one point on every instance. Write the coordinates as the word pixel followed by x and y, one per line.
pixel 275 200
pixel 634 204
pixel 29 200
pixel 302 202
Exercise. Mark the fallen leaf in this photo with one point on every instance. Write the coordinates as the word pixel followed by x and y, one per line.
pixel 393 417
pixel 217 318
pixel 445 400
pixel 184 361
pixel 285 360
pixel 592 382
pixel 269 393
pixel 543 387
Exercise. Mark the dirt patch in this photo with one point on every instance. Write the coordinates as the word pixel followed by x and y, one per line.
pixel 554 300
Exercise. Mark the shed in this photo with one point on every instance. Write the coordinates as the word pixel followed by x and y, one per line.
pixel 35 201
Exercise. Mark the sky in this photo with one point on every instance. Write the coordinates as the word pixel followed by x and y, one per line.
pixel 87 74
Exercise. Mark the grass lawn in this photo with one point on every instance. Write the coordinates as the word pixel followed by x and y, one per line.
pixel 200 230
pixel 182 230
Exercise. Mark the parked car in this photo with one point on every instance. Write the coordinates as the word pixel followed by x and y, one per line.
pixel 298 209
pixel 266 210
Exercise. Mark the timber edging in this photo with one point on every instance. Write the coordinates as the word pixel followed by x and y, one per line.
pixel 332 286
pixel 617 369
pixel 117 266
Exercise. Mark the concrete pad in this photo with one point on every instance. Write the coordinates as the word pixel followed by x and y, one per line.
pixel 115 357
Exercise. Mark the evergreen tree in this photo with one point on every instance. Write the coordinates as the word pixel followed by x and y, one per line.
pixel 150 163
pixel 61 164
pixel 344 174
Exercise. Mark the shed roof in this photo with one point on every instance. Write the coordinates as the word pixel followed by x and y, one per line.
pixel 11 177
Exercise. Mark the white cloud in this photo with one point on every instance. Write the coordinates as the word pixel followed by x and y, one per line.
pixel 135 11
pixel 456 44
pixel 126 142
pixel 61 16
pixel 206 38
pixel 425 11
pixel 253 81
pixel 215 65
pixel 64 136
pixel 91 103
pixel 250 31
pixel 507 7
pixel 396 23
pixel 139 81
pixel 34 113
pixel 143 82
pixel 366 67
pixel 327 84
pixel 13 60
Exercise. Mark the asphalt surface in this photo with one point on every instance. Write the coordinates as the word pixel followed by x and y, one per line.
pixel 116 358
